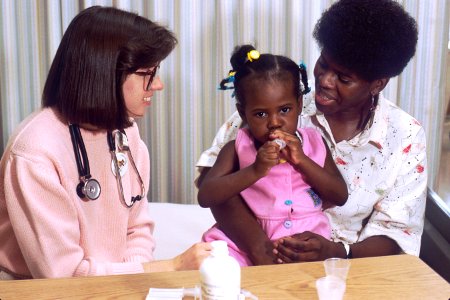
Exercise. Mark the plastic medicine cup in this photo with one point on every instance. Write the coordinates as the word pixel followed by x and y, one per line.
pixel 337 267
pixel 330 288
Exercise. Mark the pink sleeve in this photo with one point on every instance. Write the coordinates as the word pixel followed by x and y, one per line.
pixel 46 224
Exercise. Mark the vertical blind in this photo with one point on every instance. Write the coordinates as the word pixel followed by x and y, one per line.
pixel 184 117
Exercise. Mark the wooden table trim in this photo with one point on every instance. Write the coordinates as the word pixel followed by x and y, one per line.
pixel 389 277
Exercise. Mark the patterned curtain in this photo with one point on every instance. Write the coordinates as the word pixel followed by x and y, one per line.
pixel 185 116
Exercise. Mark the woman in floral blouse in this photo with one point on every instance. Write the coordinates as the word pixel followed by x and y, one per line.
pixel 379 148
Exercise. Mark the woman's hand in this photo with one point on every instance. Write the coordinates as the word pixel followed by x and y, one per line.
pixel 192 258
pixel 306 246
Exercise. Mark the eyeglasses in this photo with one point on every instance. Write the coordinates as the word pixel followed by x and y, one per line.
pixel 149 76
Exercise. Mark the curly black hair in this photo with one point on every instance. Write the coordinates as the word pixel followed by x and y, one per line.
pixel 373 38
pixel 266 67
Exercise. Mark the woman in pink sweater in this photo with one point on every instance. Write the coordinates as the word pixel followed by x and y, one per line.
pixel 74 172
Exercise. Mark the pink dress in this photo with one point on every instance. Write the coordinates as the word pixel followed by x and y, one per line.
pixel 283 202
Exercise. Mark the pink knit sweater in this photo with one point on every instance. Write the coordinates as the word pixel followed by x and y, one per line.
pixel 46 230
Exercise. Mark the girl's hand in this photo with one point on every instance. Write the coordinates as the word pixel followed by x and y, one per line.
pixel 268 156
pixel 192 258
pixel 293 152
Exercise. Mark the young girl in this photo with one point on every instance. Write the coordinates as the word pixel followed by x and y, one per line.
pixel 282 172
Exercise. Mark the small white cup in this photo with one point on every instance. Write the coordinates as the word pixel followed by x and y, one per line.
pixel 330 288
pixel 338 267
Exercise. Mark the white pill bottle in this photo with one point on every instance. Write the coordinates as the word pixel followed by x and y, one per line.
pixel 220 274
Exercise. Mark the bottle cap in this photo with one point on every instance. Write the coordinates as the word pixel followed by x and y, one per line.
pixel 219 248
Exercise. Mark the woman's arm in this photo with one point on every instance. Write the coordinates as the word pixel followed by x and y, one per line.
pixel 308 246
pixel 191 259
pixel 400 213
pixel 46 224
pixel 237 221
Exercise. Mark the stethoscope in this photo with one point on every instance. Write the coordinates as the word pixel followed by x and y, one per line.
pixel 89 187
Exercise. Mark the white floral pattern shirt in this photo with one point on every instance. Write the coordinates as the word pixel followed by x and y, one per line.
pixel 384 167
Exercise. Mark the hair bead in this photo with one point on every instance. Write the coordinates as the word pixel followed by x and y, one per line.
pixel 252 55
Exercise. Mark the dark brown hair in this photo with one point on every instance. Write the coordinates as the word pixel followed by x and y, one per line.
pixel 101 46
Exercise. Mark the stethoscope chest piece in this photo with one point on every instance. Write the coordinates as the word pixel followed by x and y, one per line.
pixel 89 188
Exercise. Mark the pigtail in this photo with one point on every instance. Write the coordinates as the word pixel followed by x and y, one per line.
pixel 230 79
pixel 241 55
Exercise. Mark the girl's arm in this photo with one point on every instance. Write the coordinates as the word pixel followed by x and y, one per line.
pixel 226 180
pixel 327 182
pixel 239 223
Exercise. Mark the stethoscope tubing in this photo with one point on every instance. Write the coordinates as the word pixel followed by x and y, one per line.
pixel 89 187
pixel 78 146
pixel 112 150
